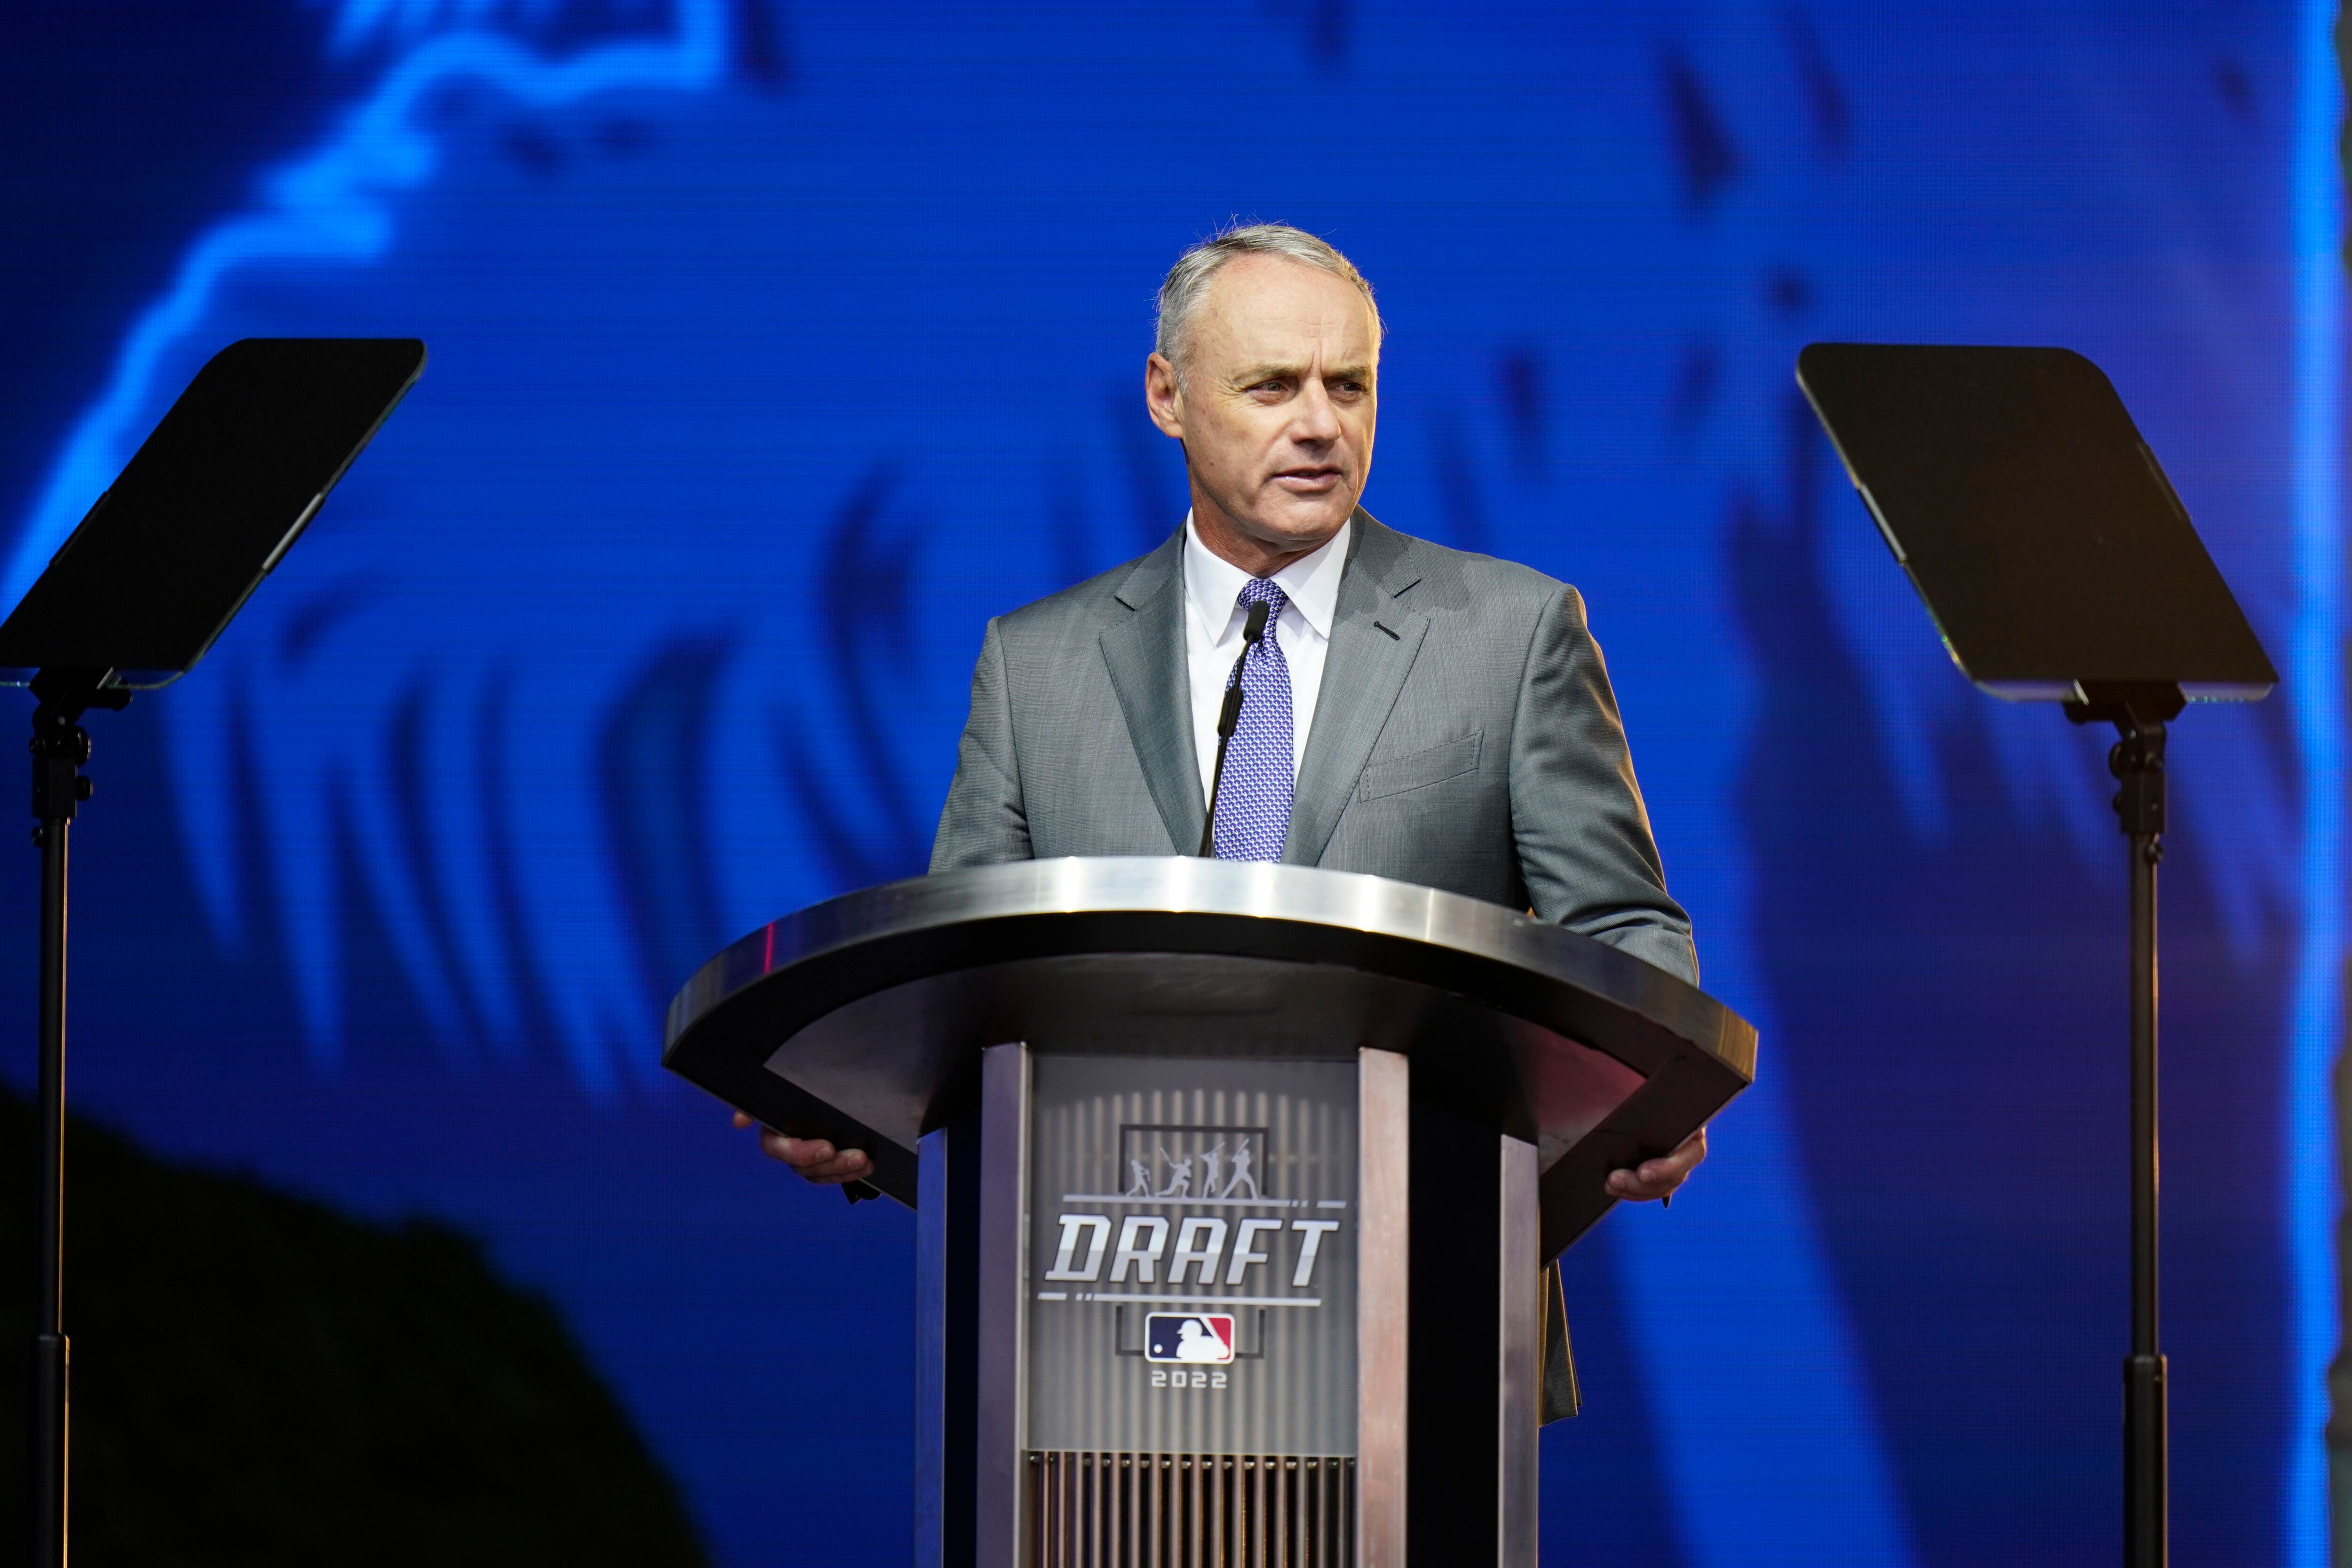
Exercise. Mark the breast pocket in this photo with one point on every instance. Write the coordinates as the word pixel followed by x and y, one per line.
pixel 1420 769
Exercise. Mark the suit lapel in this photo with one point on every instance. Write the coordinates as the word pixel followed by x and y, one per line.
pixel 1144 649
pixel 1374 638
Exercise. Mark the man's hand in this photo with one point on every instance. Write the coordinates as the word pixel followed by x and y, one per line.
pixel 820 1162
pixel 1652 1178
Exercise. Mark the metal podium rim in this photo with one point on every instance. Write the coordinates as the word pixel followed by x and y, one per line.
pixel 1280 895
pixel 762 991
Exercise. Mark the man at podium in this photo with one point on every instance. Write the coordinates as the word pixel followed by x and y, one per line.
pixel 1406 710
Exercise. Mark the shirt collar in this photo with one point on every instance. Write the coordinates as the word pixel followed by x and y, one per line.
pixel 1212 584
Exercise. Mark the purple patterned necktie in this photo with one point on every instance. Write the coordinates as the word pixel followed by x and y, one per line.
pixel 1254 801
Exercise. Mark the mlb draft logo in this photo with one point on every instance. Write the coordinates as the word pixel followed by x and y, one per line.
pixel 1206 1338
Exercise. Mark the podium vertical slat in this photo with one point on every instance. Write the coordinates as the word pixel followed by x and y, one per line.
pixel 1383 1144
pixel 1519 1372
pixel 1001 1537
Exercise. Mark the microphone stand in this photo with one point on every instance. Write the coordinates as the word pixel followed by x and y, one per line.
pixel 1252 628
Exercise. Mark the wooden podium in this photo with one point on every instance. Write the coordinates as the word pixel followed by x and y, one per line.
pixel 1235 1181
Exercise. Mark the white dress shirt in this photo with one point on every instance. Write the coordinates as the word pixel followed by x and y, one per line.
pixel 1212 634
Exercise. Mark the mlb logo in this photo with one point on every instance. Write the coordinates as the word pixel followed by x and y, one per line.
pixel 1204 1338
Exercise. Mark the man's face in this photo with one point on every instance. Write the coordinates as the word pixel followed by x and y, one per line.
pixel 1274 408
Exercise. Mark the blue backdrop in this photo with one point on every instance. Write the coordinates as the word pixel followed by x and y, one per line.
pixel 776 345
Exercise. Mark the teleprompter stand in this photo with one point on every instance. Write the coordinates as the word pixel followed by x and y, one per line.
pixel 2058 564
pixel 205 509
pixel 61 746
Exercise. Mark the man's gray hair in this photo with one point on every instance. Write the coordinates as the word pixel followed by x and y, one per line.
pixel 1180 292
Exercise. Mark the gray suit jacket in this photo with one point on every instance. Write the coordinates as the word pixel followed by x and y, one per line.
pixel 1466 738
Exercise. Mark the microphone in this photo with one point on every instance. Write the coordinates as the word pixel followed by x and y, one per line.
pixel 1252 629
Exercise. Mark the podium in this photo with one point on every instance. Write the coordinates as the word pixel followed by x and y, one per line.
pixel 1234 1182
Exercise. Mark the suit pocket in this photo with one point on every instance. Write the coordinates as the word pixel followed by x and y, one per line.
pixel 1420 769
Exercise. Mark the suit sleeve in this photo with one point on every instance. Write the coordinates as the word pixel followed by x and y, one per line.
pixel 1583 835
pixel 985 821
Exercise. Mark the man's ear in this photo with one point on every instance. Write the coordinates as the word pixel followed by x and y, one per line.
pixel 1163 396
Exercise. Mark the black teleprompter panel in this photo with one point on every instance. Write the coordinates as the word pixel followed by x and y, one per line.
pixel 209 505
pixel 2037 526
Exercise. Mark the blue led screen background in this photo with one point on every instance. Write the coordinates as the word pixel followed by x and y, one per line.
pixel 776 346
